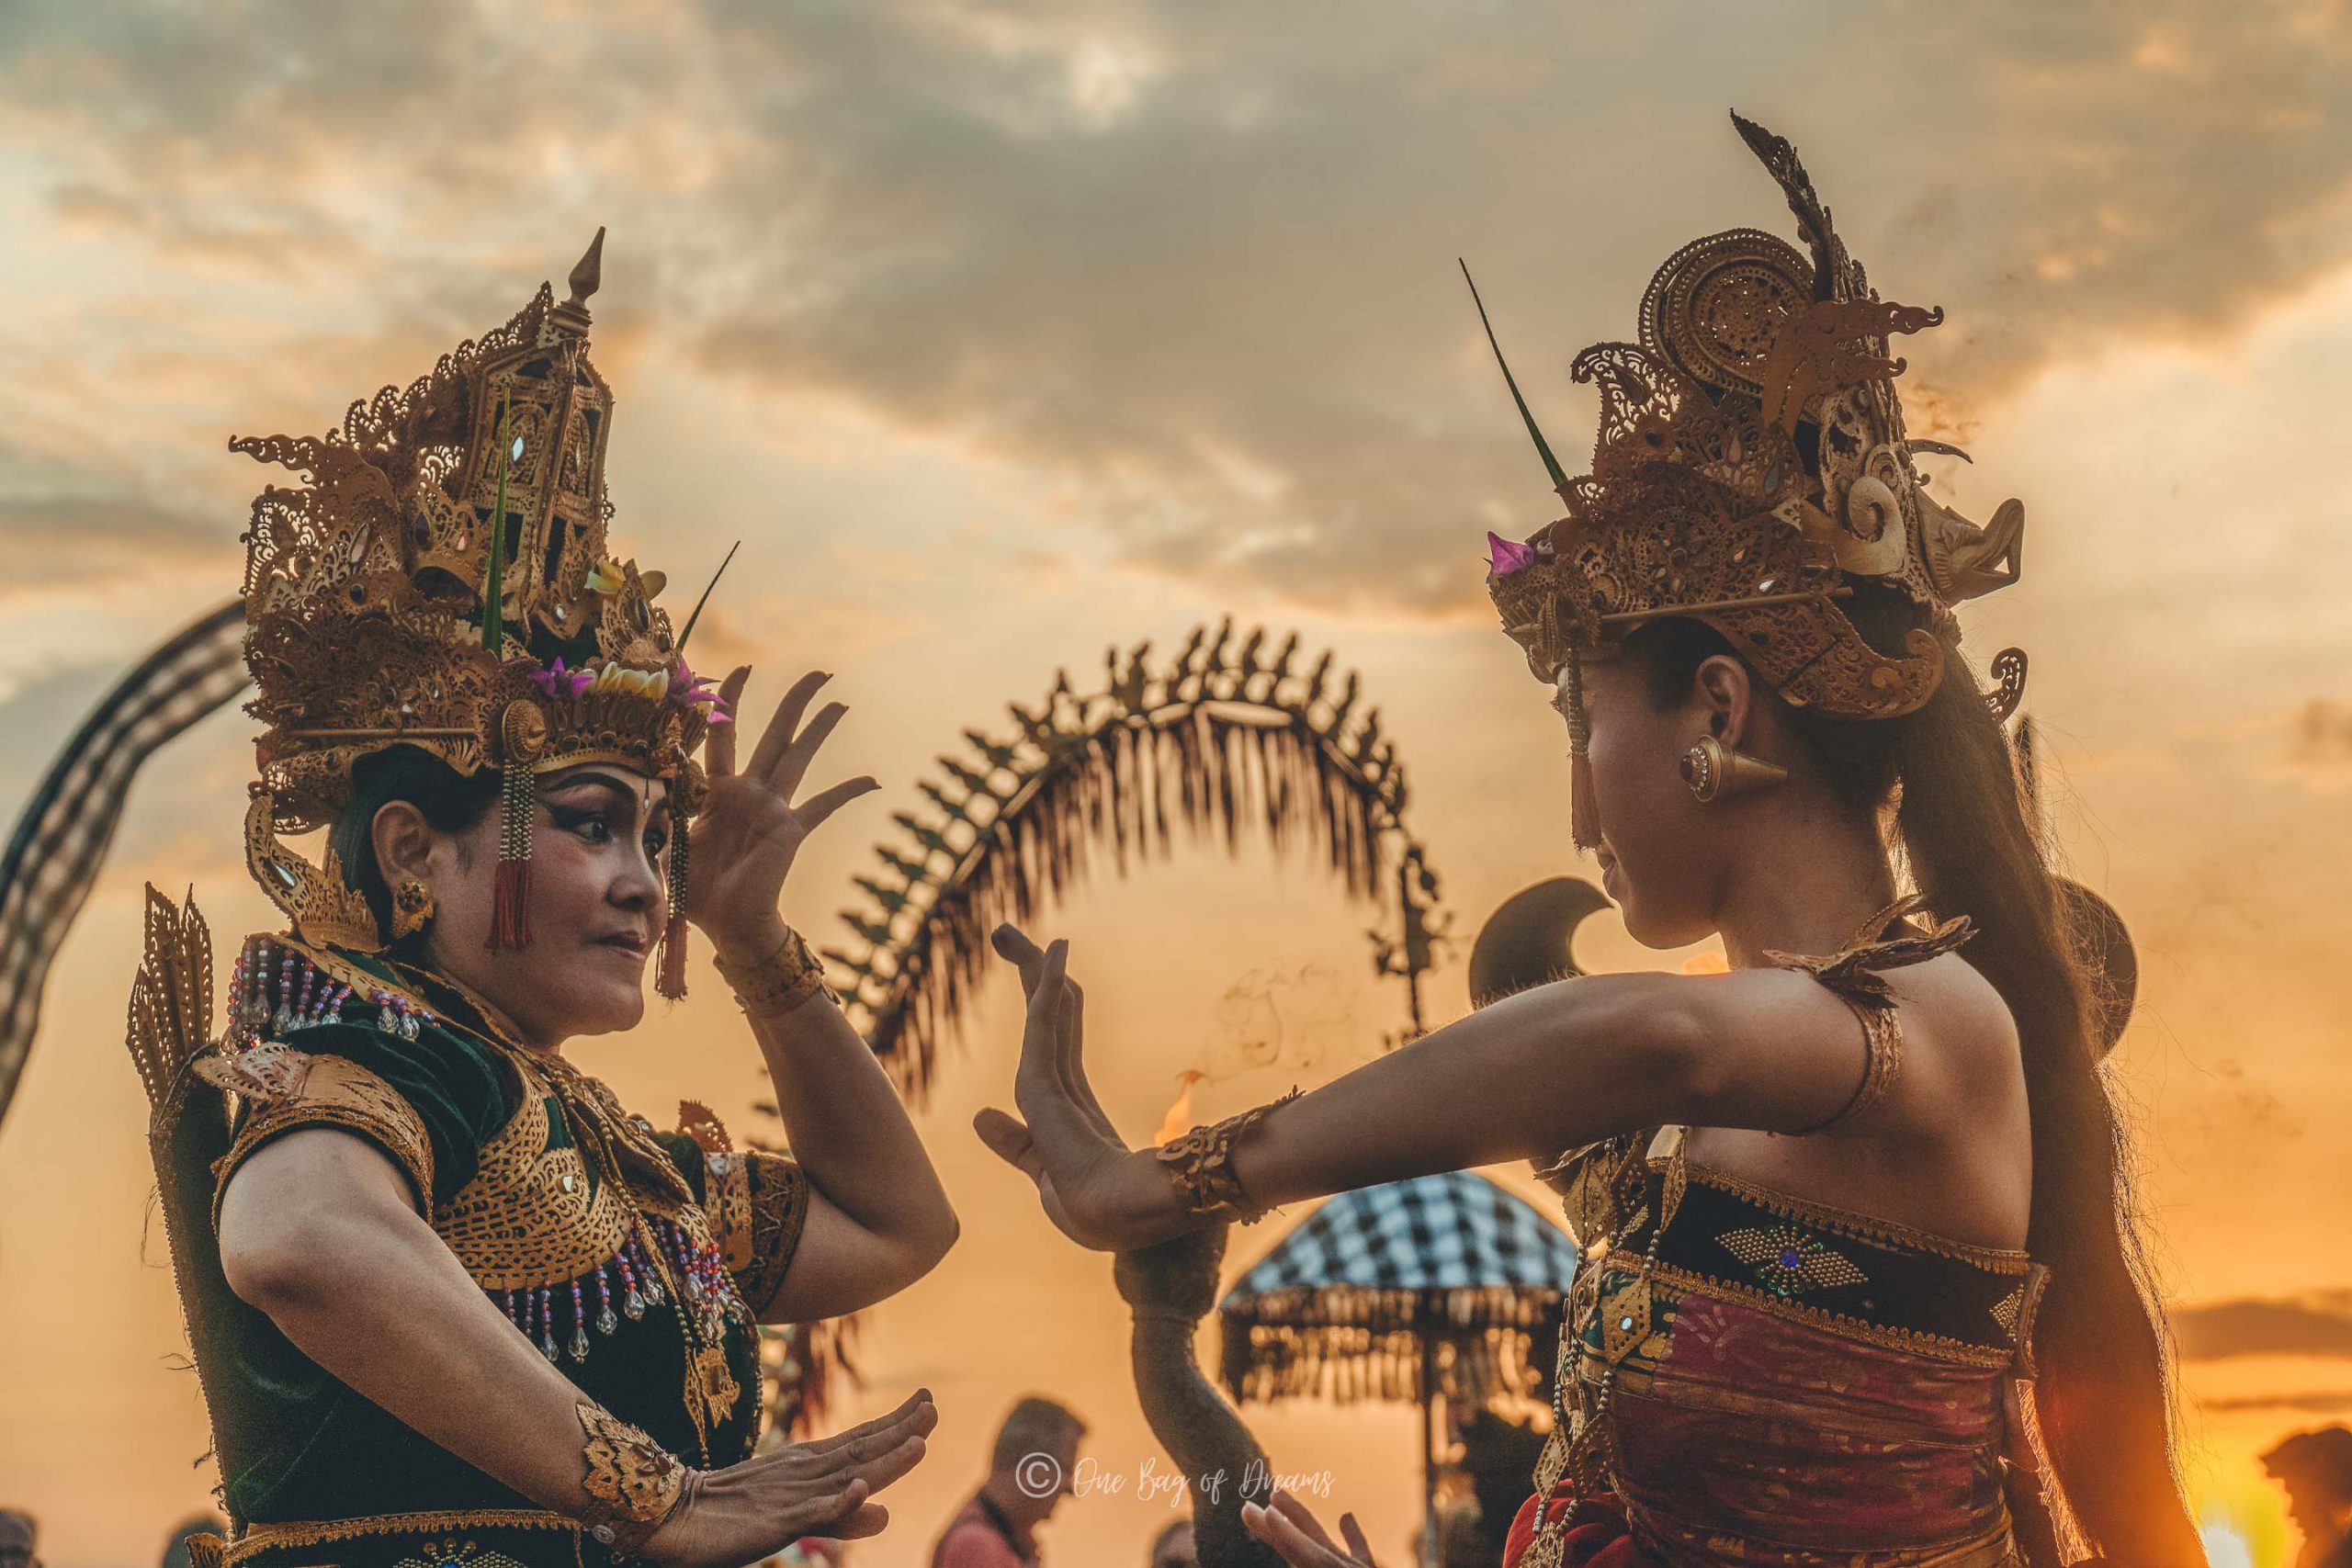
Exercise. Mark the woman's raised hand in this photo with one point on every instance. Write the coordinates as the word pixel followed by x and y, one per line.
pixel 755 1509
pixel 1061 1139
pixel 750 828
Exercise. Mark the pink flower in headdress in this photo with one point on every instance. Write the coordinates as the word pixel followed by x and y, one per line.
pixel 555 680
pixel 1507 556
pixel 693 690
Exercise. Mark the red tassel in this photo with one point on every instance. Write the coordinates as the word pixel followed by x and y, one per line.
pixel 510 919
pixel 670 976
pixel 510 914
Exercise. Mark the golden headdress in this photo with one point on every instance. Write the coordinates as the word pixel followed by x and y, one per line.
pixel 1751 466
pixel 368 624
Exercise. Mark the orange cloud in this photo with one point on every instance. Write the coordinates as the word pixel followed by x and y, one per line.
pixel 1198 267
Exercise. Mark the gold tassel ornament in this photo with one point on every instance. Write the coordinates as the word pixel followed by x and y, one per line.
pixel 1584 807
pixel 522 732
pixel 670 972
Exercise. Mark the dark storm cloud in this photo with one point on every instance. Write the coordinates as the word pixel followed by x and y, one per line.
pixel 1196 262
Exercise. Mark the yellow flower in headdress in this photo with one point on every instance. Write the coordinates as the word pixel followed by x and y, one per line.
pixel 609 577
pixel 618 680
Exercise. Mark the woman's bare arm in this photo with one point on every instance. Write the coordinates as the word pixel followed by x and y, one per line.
pixel 319 1231
pixel 878 1218
pixel 1537 1072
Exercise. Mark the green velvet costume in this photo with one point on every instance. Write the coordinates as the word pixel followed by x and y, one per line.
pixel 625 1255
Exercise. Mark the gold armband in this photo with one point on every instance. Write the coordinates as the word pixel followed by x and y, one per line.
pixel 634 1485
pixel 1202 1164
pixel 774 986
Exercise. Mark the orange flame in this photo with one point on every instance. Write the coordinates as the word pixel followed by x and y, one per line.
pixel 1178 1119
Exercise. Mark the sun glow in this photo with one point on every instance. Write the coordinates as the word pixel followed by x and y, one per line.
pixel 2224 1547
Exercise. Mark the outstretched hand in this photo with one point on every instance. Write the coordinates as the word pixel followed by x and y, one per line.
pixel 750 1511
pixel 750 829
pixel 1061 1139
pixel 1302 1540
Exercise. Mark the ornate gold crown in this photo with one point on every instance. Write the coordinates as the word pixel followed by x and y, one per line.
pixel 1751 466
pixel 371 624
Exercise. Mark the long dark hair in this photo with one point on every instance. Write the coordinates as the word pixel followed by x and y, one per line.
pixel 2104 1398
pixel 452 802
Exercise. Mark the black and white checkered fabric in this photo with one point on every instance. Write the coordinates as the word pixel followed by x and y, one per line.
pixel 1453 1232
pixel 61 840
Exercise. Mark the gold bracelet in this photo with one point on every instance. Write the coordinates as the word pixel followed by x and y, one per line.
pixel 634 1485
pixel 774 986
pixel 1202 1164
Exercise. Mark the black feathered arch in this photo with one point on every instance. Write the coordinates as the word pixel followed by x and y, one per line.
pixel 1231 736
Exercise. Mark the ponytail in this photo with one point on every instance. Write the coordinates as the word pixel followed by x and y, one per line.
pixel 2103 1399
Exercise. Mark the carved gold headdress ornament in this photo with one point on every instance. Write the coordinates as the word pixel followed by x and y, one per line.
pixel 441 580
pixel 1751 466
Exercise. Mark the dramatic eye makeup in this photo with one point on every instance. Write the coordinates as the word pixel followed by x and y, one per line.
pixel 597 805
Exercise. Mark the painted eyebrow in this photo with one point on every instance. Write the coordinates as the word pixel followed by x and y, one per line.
pixel 611 783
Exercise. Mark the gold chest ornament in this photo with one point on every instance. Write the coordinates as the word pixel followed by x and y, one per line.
pixel 564 1253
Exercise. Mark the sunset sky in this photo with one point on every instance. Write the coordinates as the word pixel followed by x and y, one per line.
pixel 1003 333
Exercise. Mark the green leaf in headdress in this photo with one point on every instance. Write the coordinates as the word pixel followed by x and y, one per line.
pixel 493 579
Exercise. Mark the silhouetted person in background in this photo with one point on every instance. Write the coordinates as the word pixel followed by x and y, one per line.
pixel 1173 1548
pixel 19 1537
pixel 2316 1470
pixel 1029 1471
pixel 1497 1456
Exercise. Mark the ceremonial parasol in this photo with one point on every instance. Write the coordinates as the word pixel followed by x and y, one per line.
pixel 1361 1299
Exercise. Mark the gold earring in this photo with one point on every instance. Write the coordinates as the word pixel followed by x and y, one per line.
pixel 412 908
pixel 1714 772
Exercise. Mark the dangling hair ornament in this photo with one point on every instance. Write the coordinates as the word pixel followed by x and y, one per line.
pixel 522 734
pixel 1583 805
pixel 670 972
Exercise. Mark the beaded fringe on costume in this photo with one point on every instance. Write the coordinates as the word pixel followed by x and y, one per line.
pixel 538 1312
pixel 275 992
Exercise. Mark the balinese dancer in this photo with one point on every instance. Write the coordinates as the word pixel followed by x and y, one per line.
pixel 450 1302
pixel 1855 1214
